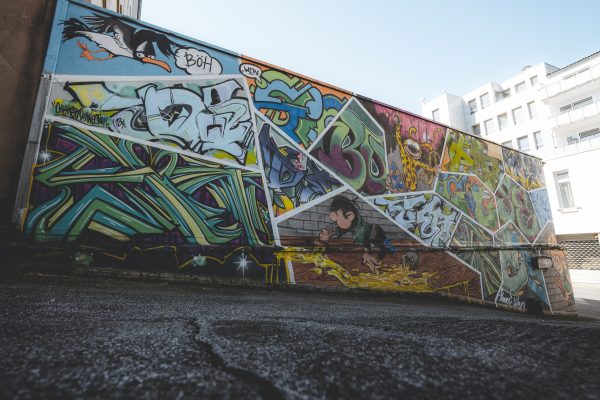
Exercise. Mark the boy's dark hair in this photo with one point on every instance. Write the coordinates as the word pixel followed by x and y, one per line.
pixel 344 204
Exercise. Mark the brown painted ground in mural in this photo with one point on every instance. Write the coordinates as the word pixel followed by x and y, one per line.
pixel 412 268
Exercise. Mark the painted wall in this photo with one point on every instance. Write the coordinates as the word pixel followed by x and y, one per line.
pixel 160 152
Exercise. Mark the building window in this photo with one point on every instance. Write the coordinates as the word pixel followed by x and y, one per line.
pixel 517 115
pixel 502 95
pixel 473 106
pixel 435 114
pixel 533 80
pixel 485 100
pixel 532 110
pixel 575 105
pixel 537 138
pixel 508 144
pixel 523 143
pixel 519 87
pixel 502 121
pixel 563 187
pixel 476 130
pixel 489 126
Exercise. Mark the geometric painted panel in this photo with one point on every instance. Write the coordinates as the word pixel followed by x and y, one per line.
pixel 471 196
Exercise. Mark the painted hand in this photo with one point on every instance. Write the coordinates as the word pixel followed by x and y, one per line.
pixel 371 261
pixel 325 234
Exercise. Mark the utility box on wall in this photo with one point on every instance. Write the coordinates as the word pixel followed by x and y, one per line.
pixel 157 151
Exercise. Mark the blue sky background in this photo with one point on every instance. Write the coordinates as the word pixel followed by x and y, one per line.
pixel 393 51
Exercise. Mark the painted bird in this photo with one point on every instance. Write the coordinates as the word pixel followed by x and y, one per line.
pixel 118 39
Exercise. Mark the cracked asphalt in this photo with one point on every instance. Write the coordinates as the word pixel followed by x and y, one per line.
pixel 82 338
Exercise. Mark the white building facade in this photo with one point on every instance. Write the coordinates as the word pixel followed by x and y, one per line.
pixel 131 8
pixel 552 113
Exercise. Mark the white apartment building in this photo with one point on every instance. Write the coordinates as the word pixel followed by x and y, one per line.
pixel 131 8
pixel 552 113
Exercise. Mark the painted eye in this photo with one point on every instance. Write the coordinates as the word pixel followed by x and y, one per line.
pixel 413 148
pixel 139 54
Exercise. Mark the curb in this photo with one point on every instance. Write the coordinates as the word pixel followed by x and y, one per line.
pixel 69 270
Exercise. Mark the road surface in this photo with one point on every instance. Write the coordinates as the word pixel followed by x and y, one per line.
pixel 77 337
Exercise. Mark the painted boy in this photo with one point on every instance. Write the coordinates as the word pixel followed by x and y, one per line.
pixel 347 219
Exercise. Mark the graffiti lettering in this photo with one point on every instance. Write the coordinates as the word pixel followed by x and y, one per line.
pixel 514 205
pixel 467 154
pixel 470 195
pixel 526 171
pixel 207 117
pixel 251 71
pixel 354 148
pixel 426 216
pixel 197 62
pixel 299 108
pixel 129 192
pixel 76 112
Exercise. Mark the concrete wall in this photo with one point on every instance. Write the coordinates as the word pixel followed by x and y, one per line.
pixel 24 32
pixel 177 155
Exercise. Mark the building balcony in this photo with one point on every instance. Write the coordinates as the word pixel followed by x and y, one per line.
pixel 575 80
pixel 579 114
pixel 569 145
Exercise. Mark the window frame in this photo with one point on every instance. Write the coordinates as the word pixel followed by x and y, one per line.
pixel 534 80
pixel 491 123
pixel 472 104
pixel 520 87
pixel 500 126
pixel 540 144
pixel 520 109
pixel 484 105
pixel 562 202
pixel 526 137
pixel 534 114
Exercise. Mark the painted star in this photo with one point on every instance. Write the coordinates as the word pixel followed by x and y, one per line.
pixel 45 156
pixel 243 264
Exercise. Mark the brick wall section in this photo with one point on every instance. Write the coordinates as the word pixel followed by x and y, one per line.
pixel 308 223
pixel 556 294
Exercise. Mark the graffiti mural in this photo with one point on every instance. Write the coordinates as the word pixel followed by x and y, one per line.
pixel 299 107
pixel 526 171
pixel 427 216
pixel 164 153
pixel 471 196
pixel 89 185
pixel 414 148
pixel 475 239
pixel 376 254
pixel 354 147
pixel 292 176
pixel 514 205
pixel 468 154
pixel 100 43
pixel 519 280
pixel 207 117
pixel 541 205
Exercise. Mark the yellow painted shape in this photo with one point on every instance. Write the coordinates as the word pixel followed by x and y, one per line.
pixel 105 230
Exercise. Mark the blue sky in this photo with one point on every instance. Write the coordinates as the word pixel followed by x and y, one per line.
pixel 393 51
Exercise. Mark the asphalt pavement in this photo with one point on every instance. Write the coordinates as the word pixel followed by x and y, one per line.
pixel 586 287
pixel 65 337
